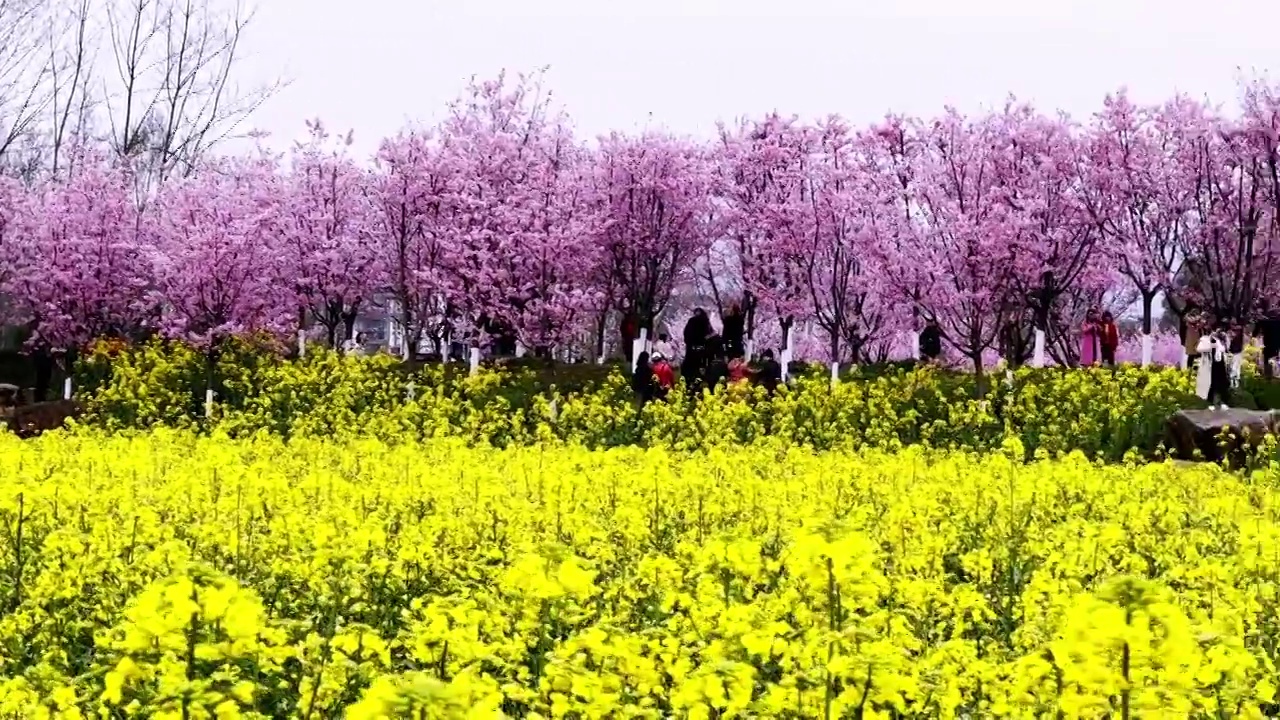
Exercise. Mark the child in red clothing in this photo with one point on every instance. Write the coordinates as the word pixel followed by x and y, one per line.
pixel 663 372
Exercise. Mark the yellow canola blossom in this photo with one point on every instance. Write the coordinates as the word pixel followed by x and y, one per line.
pixel 170 575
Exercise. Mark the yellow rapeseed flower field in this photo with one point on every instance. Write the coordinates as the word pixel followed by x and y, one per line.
pixel 169 575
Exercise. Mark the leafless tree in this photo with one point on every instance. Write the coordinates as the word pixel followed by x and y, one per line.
pixel 23 70
pixel 173 95
pixel 72 43
pixel 151 81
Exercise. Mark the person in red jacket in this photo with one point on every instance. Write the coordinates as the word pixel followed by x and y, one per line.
pixel 739 371
pixel 1108 339
pixel 663 373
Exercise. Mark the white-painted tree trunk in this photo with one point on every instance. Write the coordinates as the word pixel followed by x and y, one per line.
pixel 637 347
pixel 1148 350
pixel 645 345
pixel 751 348
pixel 913 338
pixel 409 391
pixel 1037 357
pixel 520 350
pixel 785 361
pixel 1182 360
pixel 475 361
pixel 66 389
pixel 302 343
pixel 600 360
pixel 208 402
pixel 835 373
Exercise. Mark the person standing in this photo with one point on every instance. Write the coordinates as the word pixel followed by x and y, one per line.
pixel 354 345
pixel 664 376
pixel 734 332
pixel 693 366
pixel 1089 336
pixel 1236 342
pixel 770 375
pixel 643 381
pixel 1213 383
pixel 1109 339
pixel 697 329
pixel 1191 338
pixel 717 368
pixel 663 347
pixel 1269 329
pixel 931 342
pixel 696 332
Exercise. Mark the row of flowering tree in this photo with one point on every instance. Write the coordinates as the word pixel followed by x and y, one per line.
pixel 1001 229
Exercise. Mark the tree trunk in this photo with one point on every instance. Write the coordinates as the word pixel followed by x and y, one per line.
pixel 979 374
pixel 43 361
pixel 211 374
pixel 1148 300
pixel 602 323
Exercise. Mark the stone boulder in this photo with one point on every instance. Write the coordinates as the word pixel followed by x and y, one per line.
pixel 1198 434
pixel 31 420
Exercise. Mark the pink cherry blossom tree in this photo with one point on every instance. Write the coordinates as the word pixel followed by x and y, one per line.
pixel 215 254
pixel 1137 192
pixel 517 212
pixel 1054 251
pixel 848 214
pixel 1260 126
pixel 762 179
pixel 408 232
pixel 85 276
pixel 328 256
pixel 655 194
pixel 1231 249
pixel 956 265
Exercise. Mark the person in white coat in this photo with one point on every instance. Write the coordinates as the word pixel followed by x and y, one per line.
pixel 1213 381
pixel 354 345
pixel 664 348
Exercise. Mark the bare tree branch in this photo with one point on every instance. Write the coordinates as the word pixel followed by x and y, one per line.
pixel 24 70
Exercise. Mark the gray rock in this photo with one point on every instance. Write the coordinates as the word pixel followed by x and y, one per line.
pixel 1199 434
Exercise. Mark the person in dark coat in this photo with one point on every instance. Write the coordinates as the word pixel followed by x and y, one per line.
pixel 1213 349
pixel 1108 339
pixel 696 331
pixel 931 342
pixel 734 332
pixel 770 375
pixel 716 370
pixel 643 381
pixel 630 327
pixel 693 367
pixel 1269 329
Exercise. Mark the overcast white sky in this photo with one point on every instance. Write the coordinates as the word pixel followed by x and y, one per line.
pixel 374 66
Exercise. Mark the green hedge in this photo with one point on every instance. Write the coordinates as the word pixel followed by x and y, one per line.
pixel 1105 414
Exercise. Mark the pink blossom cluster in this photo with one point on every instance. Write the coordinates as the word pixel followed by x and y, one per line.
pixel 841 241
